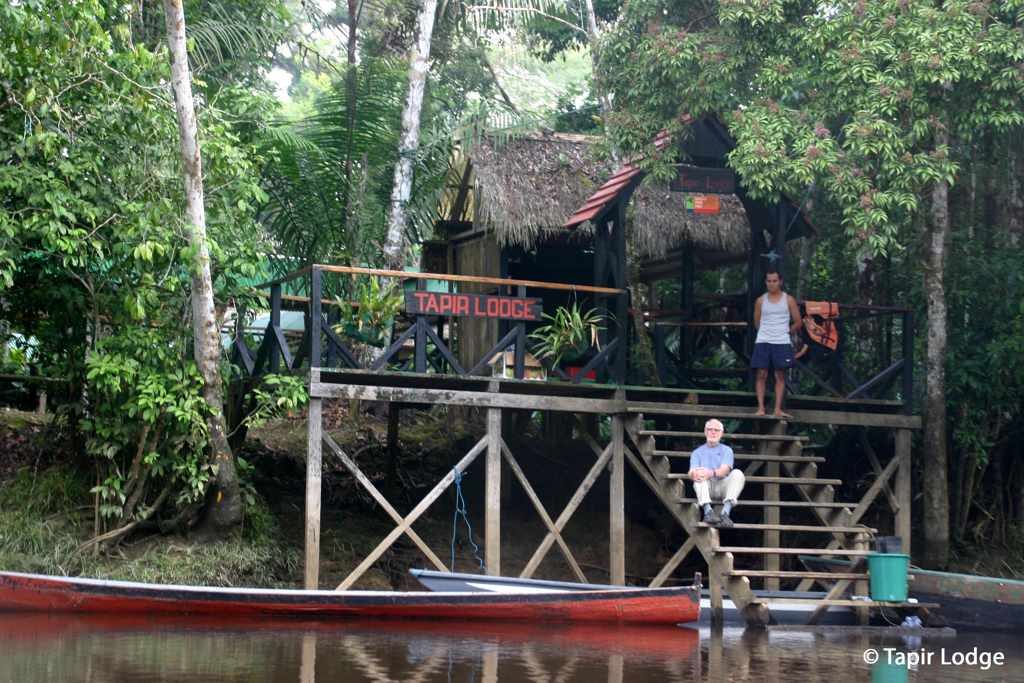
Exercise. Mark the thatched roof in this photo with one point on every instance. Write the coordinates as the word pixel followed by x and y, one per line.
pixel 526 188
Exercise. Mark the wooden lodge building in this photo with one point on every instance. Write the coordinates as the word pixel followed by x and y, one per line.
pixel 534 224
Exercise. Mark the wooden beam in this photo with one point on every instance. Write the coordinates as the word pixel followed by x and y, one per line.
pixel 477 399
pixel 492 495
pixel 869 497
pixel 445 277
pixel 861 585
pixel 351 466
pixel 894 504
pixel 617 505
pixel 803 416
pixel 314 429
pixel 771 515
pixel 532 495
pixel 673 562
pixel 903 493
pixel 416 513
pixel 570 508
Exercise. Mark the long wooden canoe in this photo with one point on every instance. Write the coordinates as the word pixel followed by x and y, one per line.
pixel 37 593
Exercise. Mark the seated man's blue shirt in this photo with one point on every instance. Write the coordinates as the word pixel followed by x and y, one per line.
pixel 711 457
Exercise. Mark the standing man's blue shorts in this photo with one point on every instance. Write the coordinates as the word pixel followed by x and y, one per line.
pixel 777 356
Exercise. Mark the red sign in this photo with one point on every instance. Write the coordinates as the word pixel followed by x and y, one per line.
pixel 472 305
pixel 706 204
pixel 698 179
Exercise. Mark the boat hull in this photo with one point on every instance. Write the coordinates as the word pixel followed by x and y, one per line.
pixel 36 593
pixel 796 612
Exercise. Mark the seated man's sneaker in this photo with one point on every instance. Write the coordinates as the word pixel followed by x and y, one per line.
pixel 712 518
pixel 725 521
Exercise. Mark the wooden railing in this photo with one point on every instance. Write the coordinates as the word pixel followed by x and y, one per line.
pixel 323 345
pixel 832 373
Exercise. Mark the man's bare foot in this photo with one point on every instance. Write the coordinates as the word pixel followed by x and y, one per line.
pixel 759 413
pixel 782 415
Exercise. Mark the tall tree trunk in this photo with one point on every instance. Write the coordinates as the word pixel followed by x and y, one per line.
pixel 224 509
pixel 594 37
pixel 394 246
pixel 355 8
pixel 936 460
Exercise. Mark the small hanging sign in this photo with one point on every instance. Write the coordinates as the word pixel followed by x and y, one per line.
pixel 707 180
pixel 704 204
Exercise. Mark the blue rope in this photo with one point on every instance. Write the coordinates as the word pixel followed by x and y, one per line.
pixel 460 509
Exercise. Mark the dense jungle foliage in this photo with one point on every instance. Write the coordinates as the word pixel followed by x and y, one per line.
pixel 896 122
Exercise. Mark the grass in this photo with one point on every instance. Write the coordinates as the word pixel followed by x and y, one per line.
pixel 43 522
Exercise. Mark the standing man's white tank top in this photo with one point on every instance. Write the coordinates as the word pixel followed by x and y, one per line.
pixel 774 321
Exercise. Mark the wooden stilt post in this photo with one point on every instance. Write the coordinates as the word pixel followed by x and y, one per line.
pixel 771 516
pixel 492 495
pixel 617 508
pixel 716 667
pixel 715 583
pixel 903 494
pixel 313 469
pixel 861 587
pixel 772 513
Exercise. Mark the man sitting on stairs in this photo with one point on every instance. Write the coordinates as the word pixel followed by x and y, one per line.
pixel 713 476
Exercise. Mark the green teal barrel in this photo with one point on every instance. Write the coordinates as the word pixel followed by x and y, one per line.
pixel 888 672
pixel 888 574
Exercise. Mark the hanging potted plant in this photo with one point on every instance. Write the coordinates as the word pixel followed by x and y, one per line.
pixel 568 335
pixel 368 319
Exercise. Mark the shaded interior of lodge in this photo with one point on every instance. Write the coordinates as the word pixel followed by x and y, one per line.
pixel 535 226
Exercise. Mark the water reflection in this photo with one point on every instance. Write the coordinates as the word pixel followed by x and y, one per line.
pixel 100 649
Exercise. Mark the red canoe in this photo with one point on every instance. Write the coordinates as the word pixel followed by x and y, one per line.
pixel 36 593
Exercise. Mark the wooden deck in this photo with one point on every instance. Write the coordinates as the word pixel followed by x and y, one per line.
pixel 771 452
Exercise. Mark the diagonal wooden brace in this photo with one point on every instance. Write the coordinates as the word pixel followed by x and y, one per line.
pixel 532 495
pixel 351 466
pixel 411 518
pixel 674 562
pixel 570 508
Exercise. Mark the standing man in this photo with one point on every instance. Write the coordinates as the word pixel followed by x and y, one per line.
pixel 713 476
pixel 776 318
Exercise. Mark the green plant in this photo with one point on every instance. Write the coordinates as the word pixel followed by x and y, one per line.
pixel 568 333
pixel 369 316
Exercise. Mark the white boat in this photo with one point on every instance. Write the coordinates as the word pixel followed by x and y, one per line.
pixel 796 612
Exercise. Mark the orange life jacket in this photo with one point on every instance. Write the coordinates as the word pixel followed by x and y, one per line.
pixel 819 323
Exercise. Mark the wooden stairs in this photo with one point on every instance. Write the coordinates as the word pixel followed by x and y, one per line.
pixel 773 462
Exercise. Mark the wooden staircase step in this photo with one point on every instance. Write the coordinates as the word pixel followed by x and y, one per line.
pixel 791 551
pixel 731 437
pixel 781 503
pixel 773 480
pixel 748 456
pixel 796 527
pixel 796 575
pixel 698 411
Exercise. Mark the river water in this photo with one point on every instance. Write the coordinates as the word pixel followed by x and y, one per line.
pixel 101 649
